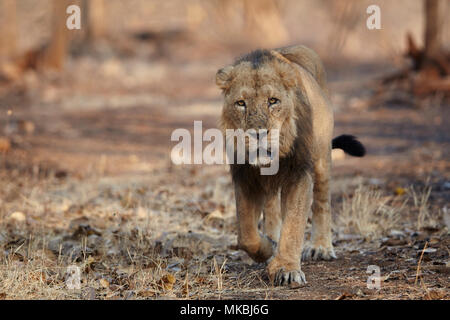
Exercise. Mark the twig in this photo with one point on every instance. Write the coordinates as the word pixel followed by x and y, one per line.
pixel 186 288
pixel 420 260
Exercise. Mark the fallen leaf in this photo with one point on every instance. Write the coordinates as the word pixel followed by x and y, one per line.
pixel 5 145
pixel 399 191
pixel 169 278
pixel 168 281
pixel 344 296
pixel 147 293
pixel 90 260
pixel 104 283
pixel 435 294
pixel 216 214
pixel 18 216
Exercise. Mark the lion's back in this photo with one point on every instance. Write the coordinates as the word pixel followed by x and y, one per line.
pixel 309 60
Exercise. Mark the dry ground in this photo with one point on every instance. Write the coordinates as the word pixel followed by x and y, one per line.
pixel 88 182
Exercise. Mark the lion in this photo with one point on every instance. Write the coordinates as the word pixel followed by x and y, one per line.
pixel 284 89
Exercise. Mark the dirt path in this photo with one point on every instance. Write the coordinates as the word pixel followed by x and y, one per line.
pixel 94 187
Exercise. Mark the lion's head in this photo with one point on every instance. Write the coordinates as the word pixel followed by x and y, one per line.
pixel 260 92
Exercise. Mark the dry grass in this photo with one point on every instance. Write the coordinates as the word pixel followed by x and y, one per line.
pixel 368 213
pixel 421 203
pixel 132 238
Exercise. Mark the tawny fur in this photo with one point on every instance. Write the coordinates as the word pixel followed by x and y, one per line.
pixel 296 77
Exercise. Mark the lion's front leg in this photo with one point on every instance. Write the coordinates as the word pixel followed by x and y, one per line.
pixel 249 210
pixel 272 216
pixel 321 247
pixel 285 267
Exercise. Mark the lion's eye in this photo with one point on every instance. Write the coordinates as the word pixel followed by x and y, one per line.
pixel 240 103
pixel 273 101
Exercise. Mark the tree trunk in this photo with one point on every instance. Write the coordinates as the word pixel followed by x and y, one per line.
pixel 263 22
pixel 433 28
pixel 56 52
pixel 8 28
pixel 94 11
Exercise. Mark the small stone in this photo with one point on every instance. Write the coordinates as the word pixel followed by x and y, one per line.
pixel 375 181
pixel 429 250
pixel 396 233
pixel 359 293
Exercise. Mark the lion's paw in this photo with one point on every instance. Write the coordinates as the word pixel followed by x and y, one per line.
pixel 293 278
pixel 311 252
pixel 285 276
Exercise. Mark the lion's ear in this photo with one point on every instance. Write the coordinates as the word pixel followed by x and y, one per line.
pixel 223 77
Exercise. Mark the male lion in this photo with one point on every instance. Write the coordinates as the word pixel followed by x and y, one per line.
pixel 284 89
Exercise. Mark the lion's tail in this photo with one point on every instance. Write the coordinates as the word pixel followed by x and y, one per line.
pixel 350 145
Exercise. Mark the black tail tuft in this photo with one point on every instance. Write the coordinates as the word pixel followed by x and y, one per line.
pixel 350 145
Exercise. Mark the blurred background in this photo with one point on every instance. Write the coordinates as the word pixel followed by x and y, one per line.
pixel 151 55
pixel 148 55
pixel 86 117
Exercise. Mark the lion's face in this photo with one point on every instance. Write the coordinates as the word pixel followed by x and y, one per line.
pixel 259 96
